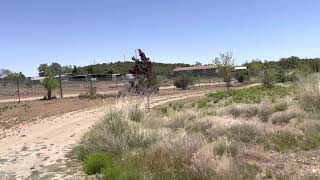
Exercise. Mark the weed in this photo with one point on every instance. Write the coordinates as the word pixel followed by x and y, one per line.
pixel 95 163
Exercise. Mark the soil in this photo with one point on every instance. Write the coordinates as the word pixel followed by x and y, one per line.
pixel 37 135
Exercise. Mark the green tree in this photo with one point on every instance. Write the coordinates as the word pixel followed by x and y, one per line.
pixel 53 68
pixel 225 65
pixel 10 75
pixel 50 83
pixel 268 74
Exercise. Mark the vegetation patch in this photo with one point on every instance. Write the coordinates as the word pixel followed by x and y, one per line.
pixel 249 95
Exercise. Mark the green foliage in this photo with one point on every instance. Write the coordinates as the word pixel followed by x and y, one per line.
pixel 225 64
pixel 80 152
pixel 242 76
pixel 122 173
pixel 250 95
pixel 183 81
pixel 53 69
pixel 10 75
pixel 50 83
pixel 95 163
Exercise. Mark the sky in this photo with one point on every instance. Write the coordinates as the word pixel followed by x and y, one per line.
pixel 81 32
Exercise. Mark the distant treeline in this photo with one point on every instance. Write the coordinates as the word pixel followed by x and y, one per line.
pixel 311 65
pixel 159 69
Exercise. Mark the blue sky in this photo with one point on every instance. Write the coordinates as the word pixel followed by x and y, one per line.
pixel 78 32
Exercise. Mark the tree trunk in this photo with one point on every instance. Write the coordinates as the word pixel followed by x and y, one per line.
pixel 49 94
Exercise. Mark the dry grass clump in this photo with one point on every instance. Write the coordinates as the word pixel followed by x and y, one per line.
pixel 280 106
pixel 181 119
pixel 244 110
pixel 118 131
pixel 284 117
pixel 246 133
pixel 309 97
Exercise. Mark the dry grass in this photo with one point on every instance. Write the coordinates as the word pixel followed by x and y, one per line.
pixel 239 141
pixel 309 89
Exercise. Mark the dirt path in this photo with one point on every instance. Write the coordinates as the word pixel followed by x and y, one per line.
pixel 39 151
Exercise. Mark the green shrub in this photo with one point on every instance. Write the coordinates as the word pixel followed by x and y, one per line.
pixel 249 95
pixel 95 163
pixel 80 152
pixel 183 81
pixel 122 172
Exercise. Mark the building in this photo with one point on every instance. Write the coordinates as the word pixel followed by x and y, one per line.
pixel 203 71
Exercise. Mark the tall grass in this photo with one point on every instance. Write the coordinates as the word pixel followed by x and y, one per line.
pixel 309 88
pixel 118 130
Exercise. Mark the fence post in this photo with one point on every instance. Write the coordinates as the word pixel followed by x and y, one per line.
pixel 60 81
pixel 18 89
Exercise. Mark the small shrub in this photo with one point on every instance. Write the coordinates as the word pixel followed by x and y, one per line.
pixel 164 109
pixel 181 120
pixel 122 172
pixel 183 81
pixel 265 111
pixel 202 103
pixel 95 163
pixel 311 138
pixel 245 133
pixel 309 97
pixel 224 147
pixel 115 133
pixel 283 141
pixel 280 106
pixel 80 152
pixel 247 110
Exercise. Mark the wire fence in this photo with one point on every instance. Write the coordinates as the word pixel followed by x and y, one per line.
pixel 33 89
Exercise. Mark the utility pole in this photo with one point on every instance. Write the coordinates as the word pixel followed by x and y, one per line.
pixel 18 89
pixel 60 81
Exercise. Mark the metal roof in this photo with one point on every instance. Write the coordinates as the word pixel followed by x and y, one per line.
pixel 192 68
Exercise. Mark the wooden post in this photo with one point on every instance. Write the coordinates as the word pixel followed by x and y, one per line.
pixel 18 89
pixel 60 81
